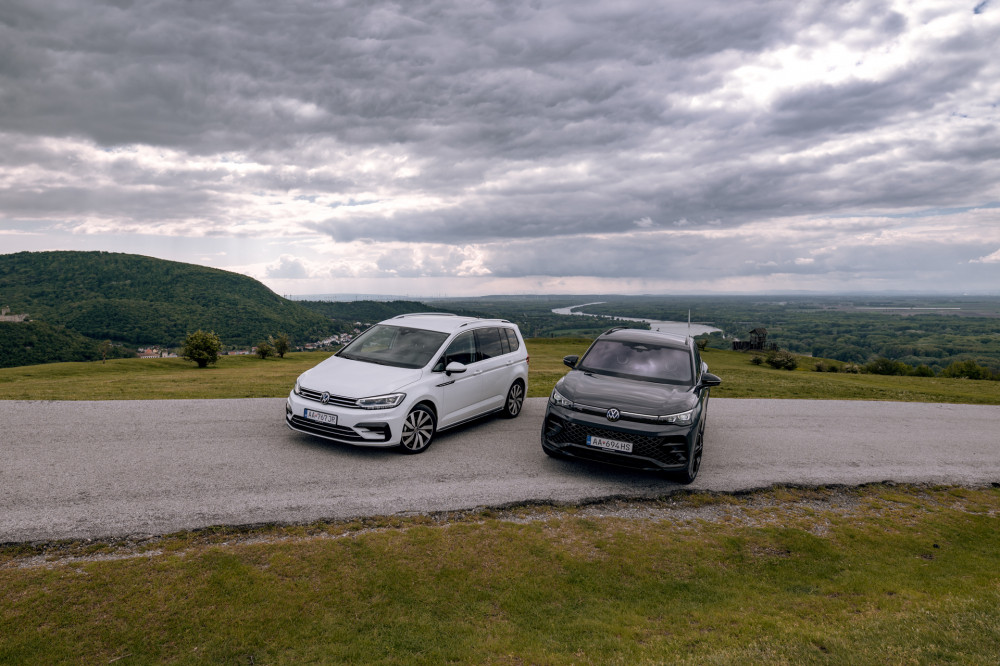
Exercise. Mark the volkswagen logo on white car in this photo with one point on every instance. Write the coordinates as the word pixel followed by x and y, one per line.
pixel 614 414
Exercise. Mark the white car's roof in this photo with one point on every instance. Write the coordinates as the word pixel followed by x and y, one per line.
pixel 442 322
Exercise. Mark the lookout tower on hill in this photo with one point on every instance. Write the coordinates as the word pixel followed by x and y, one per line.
pixel 757 342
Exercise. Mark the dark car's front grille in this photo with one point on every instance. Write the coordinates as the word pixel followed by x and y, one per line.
pixel 339 400
pixel 668 450
pixel 342 433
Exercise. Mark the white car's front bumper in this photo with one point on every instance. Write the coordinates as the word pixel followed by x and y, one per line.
pixel 361 427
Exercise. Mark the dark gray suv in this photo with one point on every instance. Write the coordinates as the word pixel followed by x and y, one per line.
pixel 636 398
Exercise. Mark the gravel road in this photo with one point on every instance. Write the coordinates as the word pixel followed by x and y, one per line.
pixel 117 468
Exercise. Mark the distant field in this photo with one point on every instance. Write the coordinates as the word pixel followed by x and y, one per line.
pixel 251 377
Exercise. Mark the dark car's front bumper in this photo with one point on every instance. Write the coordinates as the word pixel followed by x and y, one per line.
pixel 654 447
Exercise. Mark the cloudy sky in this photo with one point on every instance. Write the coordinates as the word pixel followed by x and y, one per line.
pixel 471 147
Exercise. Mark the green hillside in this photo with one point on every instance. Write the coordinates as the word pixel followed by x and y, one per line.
pixel 139 300
pixel 33 342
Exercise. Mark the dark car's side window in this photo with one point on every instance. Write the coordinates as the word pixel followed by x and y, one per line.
pixel 489 343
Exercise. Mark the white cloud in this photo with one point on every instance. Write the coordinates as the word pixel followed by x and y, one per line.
pixel 988 259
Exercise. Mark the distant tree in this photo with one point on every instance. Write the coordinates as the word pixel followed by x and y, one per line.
pixel 281 344
pixel 265 349
pixel 967 369
pixel 885 366
pixel 104 348
pixel 201 347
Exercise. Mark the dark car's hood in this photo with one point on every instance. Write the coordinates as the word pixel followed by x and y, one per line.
pixel 627 395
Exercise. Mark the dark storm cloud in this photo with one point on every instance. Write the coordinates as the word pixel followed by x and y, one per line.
pixel 497 123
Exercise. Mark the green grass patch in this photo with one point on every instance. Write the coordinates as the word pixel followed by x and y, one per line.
pixel 251 377
pixel 829 576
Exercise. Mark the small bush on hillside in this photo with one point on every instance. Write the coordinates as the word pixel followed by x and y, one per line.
pixel 757 360
pixel 201 347
pixel 885 366
pixel 852 368
pixel 782 360
pixel 922 371
pixel 967 369
pixel 265 349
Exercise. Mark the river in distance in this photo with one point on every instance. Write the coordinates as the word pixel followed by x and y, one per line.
pixel 675 327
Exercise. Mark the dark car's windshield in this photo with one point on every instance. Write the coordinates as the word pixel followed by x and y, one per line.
pixel 397 346
pixel 638 360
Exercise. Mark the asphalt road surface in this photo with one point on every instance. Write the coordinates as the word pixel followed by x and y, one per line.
pixel 117 468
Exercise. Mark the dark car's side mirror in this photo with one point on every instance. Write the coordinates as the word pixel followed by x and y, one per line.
pixel 571 360
pixel 454 367
pixel 708 379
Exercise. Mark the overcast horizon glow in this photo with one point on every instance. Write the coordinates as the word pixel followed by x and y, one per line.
pixel 462 148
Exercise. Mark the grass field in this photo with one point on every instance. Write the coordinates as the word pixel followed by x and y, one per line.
pixel 874 575
pixel 871 575
pixel 251 377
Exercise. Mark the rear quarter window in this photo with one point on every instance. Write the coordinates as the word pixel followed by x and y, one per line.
pixel 489 342
pixel 511 338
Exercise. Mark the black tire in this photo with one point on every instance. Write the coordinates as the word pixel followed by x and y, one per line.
pixel 514 402
pixel 418 430
pixel 690 473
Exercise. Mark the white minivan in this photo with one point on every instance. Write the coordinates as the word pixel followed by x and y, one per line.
pixel 408 377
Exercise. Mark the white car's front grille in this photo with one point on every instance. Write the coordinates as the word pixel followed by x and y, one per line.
pixel 338 400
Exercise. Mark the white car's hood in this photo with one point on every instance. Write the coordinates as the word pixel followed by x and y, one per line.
pixel 357 379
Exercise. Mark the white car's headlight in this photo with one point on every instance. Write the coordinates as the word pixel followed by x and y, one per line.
pixel 560 400
pixel 387 401
pixel 684 418
pixel 298 389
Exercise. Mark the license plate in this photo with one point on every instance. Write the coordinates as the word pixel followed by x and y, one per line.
pixel 610 444
pixel 321 417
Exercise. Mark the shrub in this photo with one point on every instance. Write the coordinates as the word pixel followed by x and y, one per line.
pixel 757 360
pixel 967 369
pixel 852 368
pixel 201 347
pixel 885 366
pixel 281 344
pixel 922 371
pixel 265 349
pixel 782 360
pixel 820 366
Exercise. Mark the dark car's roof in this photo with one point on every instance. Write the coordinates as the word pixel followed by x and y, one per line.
pixel 640 335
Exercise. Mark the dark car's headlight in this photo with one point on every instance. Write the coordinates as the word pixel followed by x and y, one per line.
pixel 387 401
pixel 560 400
pixel 682 418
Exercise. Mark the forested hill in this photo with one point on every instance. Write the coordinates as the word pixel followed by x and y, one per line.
pixel 140 300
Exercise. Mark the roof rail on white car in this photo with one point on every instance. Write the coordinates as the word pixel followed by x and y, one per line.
pixel 426 314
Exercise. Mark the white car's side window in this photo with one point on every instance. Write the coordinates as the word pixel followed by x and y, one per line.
pixel 462 349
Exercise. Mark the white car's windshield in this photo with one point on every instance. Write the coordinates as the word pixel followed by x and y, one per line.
pixel 394 345
pixel 638 360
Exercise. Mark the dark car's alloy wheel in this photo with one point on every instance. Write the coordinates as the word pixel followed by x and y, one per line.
pixel 515 400
pixel 418 430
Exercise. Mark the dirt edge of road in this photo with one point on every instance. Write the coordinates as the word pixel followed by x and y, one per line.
pixel 773 505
